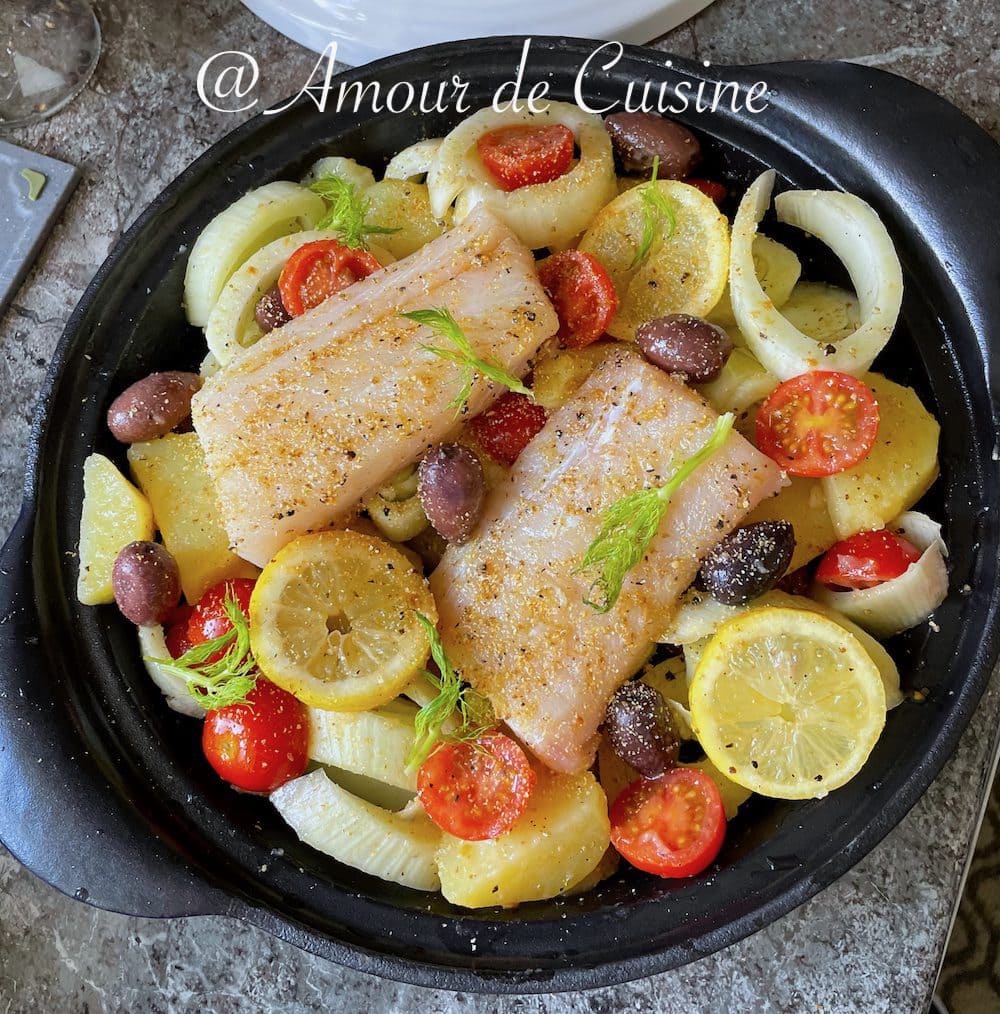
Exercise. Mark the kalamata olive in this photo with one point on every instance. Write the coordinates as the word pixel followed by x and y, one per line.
pixel 153 406
pixel 146 582
pixel 638 138
pixel 748 561
pixel 640 729
pixel 451 488
pixel 270 311
pixel 680 343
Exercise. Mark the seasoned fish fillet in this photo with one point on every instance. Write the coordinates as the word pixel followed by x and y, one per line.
pixel 320 412
pixel 512 616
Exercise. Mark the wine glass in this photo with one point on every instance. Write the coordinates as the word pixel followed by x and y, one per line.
pixel 48 50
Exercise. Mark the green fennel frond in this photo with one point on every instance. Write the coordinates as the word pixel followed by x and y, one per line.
pixel 228 679
pixel 443 323
pixel 348 211
pixel 630 524
pixel 657 216
pixel 475 716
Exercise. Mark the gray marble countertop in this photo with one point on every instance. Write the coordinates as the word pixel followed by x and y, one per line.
pixel 872 941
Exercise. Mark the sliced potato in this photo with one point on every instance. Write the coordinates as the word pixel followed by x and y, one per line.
pixel 370 743
pixel 827 313
pixel 777 269
pixel 405 206
pixel 558 378
pixel 614 774
pixel 559 840
pixel 382 794
pixel 607 867
pixel 399 847
pixel 171 472
pixel 898 471
pixel 115 513
pixel 256 219
pixel 733 795
pixel 803 505
pixel 686 269
pixel 742 383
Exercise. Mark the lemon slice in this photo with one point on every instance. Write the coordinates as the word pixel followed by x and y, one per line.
pixel 787 703
pixel 685 271
pixel 333 620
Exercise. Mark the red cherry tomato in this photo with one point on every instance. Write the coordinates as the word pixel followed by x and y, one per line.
pixel 672 825
pixel 715 191
pixel 209 620
pixel 259 745
pixel 866 560
pixel 176 630
pixel 476 790
pixel 507 426
pixel 521 155
pixel 818 423
pixel 583 294
pixel 317 270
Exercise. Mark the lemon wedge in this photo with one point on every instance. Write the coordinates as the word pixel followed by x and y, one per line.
pixel 686 268
pixel 787 703
pixel 333 620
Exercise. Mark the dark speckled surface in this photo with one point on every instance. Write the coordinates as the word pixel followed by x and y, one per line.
pixel 870 942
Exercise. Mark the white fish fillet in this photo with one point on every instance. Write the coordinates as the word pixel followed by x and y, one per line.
pixel 318 413
pixel 512 616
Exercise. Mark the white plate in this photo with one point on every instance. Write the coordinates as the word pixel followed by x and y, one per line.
pixel 369 29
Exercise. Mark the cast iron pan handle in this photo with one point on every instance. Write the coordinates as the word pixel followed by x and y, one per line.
pixel 80 835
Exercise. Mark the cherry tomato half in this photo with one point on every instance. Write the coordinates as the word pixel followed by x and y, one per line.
pixel 507 426
pixel 711 189
pixel 476 790
pixel 209 620
pixel 818 423
pixel 175 629
pixel 672 825
pixel 319 269
pixel 259 745
pixel 521 155
pixel 583 294
pixel 866 560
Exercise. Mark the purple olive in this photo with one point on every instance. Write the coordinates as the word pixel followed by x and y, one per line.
pixel 748 562
pixel 640 729
pixel 146 582
pixel 153 406
pixel 451 488
pixel 680 343
pixel 270 312
pixel 638 138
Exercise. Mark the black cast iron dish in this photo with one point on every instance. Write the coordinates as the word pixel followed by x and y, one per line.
pixel 103 790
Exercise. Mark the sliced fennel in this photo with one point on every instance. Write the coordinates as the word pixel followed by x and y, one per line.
pixel 399 847
pixel 257 218
pixel 415 162
pixel 153 644
pixel 346 169
pixel 905 601
pixel 231 325
pixel 777 269
pixel 370 743
pixel 541 215
pixel 742 383
pixel 854 232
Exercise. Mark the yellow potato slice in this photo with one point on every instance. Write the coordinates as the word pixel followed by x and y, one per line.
pixel 115 513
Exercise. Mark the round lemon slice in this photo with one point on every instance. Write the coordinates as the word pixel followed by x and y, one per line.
pixel 333 620
pixel 686 268
pixel 787 703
